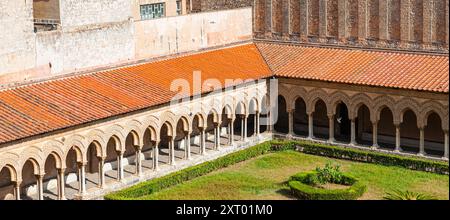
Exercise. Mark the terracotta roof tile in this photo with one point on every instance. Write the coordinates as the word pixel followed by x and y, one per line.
pixel 360 67
pixel 52 105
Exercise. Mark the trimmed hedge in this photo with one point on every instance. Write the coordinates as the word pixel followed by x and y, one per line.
pixel 301 187
pixel 352 154
pixel 173 179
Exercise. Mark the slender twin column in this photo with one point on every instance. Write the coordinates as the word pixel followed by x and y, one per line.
pixel 352 132
pixel 331 127
pixel 231 132
pixel 82 178
pixel 310 125
pixel 17 190
pixel 375 134
pixel 119 166
pixel 187 141
pixel 61 184
pixel 101 172
pixel 445 144
pixel 40 186
pixel 257 126
pixel 138 160
pixel 397 138
pixel 156 156
pixel 217 136
pixel 172 151
pixel 291 123
pixel 244 128
pixel 202 141
pixel 422 142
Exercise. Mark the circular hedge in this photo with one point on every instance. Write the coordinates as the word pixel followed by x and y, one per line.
pixel 302 188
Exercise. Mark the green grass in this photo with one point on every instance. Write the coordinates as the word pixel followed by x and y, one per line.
pixel 265 177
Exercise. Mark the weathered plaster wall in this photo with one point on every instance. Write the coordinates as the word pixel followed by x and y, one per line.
pixel 16 36
pixel 185 33
pixel 69 51
pixel 25 55
pixel 86 12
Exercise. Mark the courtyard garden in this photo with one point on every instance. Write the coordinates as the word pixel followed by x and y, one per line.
pixel 263 174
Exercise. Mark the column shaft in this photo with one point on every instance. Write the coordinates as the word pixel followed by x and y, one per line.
pixel 331 127
pixel 422 142
pixel 397 138
pixel 446 144
pixel 17 190
pixel 101 172
pixel 291 123
pixel 375 134
pixel 172 151
pixel 310 126
pixel 61 184
pixel 40 186
pixel 188 145
pixel 156 157
pixel 82 178
pixel 353 132
pixel 245 127
pixel 138 162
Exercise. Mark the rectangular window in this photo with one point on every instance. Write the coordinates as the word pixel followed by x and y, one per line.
pixel 152 11
pixel 179 11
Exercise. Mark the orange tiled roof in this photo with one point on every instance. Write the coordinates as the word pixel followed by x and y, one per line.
pixel 52 105
pixel 384 69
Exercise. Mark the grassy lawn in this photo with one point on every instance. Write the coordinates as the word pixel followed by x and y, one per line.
pixel 264 178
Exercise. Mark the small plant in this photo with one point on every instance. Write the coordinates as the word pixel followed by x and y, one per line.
pixel 329 174
pixel 406 195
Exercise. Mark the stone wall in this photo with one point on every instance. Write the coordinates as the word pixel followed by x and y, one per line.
pixel 81 46
pixel 16 36
pixel 74 50
pixel 86 12
pixel 192 32
pixel 408 24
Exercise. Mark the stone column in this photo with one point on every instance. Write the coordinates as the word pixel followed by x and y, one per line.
pixel 258 127
pixel 61 184
pixel 156 157
pixel 397 138
pixel 138 161
pixel 215 137
pixel 40 186
pixel 218 136
pixel 82 178
pixel 203 141
pixel 172 151
pixel 422 142
pixel 120 166
pixel 269 123
pixel 291 123
pixel 242 127
pixel 446 145
pixel 310 126
pixel 188 146
pixel 375 135
pixel 352 132
pixel 255 125
pixel 231 134
pixel 245 127
pixel 17 190
pixel 331 128
pixel 101 172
